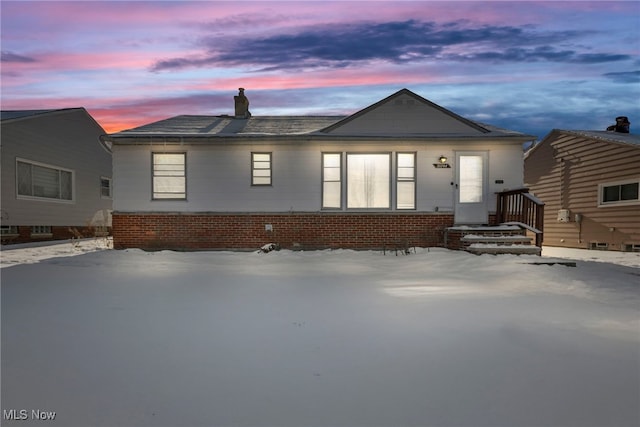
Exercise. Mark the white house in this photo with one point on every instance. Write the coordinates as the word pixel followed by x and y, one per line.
pixel 56 175
pixel 403 168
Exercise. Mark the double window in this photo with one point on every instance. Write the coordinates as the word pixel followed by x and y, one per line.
pixel 40 230
pixel 37 180
pixel 619 193
pixel 169 176
pixel 368 180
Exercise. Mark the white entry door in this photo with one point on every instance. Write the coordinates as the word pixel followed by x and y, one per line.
pixel 471 189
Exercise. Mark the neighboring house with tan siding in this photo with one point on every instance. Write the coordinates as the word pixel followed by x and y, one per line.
pixel 56 175
pixel 589 181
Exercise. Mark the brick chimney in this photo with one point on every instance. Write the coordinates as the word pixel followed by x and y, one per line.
pixel 242 105
pixel 621 126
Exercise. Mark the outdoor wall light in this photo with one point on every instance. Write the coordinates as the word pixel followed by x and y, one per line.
pixel 442 159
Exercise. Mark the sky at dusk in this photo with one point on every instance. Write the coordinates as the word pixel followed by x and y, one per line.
pixel 527 66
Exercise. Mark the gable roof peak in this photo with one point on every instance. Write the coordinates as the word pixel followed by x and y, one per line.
pixel 417 115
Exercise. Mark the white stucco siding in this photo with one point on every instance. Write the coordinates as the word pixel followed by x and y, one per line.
pixel 219 177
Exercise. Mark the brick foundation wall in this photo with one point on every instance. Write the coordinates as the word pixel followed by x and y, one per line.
pixel 57 233
pixel 185 231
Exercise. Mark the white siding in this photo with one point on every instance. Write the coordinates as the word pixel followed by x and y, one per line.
pixel 404 115
pixel 506 163
pixel 219 177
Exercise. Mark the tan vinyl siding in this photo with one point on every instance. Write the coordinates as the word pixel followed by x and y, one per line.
pixel 565 171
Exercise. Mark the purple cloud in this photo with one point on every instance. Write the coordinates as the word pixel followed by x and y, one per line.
pixel 14 57
pixel 341 45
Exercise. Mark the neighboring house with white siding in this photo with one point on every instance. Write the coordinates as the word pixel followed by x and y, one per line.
pixel 56 175
pixel 402 168
pixel 589 181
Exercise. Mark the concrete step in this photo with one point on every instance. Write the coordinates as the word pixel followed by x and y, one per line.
pixel 505 240
pixel 496 249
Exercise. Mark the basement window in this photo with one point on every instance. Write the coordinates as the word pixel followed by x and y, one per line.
pixel 599 246
pixel 9 230
pixel 41 231
pixel 631 247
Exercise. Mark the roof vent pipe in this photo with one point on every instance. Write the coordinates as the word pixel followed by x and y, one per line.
pixel 621 126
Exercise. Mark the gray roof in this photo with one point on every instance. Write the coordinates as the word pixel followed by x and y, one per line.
pixel 228 126
pixel 624 138
pixel 221 126
pixel 600 135
pixel 225 128
pixel 23 114
pixel 19 114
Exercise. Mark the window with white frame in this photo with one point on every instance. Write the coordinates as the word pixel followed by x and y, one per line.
pixel 331 180
pixel 41 181
pixel 619 193
pixel 105 187
pixel 260 168
pixel 368 181
pixel 169 176
pixel 406 181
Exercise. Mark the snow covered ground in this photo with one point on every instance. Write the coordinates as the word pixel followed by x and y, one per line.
pixel 327 338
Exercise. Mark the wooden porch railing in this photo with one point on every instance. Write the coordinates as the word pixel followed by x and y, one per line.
pixel 519 206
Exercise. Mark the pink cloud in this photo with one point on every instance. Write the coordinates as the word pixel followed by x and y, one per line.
pixel 316 79
pixel 78 61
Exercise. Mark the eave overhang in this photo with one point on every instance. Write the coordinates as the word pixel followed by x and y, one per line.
pixel 217 140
